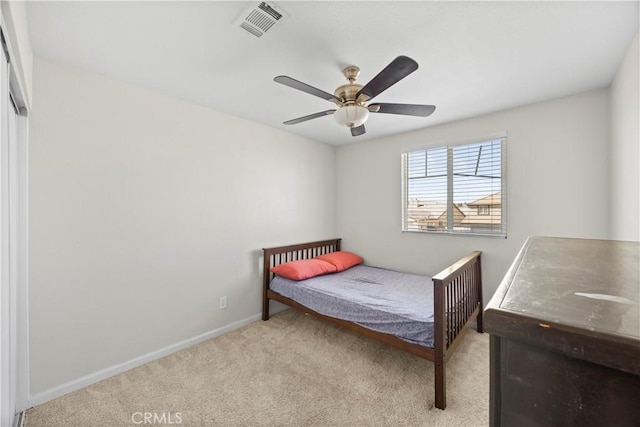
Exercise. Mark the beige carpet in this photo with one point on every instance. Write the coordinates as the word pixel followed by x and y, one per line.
pixel 292 370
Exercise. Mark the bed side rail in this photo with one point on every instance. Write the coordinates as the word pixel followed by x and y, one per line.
pixel 281 254
pixel 458 299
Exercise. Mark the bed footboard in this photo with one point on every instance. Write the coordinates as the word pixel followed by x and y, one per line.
pixel 458 302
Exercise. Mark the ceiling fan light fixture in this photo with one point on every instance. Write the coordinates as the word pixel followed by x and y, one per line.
pixel 351 115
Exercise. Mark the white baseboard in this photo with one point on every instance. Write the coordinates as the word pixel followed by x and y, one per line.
pixel 87 380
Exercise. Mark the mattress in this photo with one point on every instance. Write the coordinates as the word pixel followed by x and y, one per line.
pixel 379 299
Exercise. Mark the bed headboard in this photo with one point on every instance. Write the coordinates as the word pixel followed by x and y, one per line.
pixel 282 254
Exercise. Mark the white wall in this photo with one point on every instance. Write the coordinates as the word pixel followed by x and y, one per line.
pixel 625 148
pixel 557 184
pixel 144 211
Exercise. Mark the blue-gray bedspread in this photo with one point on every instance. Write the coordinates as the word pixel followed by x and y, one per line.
pixel 383 300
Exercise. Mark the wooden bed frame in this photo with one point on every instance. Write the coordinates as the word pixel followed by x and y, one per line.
pixel 457 303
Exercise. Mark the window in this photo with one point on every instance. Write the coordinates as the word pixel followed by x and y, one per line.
pixel 456 188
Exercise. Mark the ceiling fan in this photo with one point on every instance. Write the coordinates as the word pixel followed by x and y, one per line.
pixel 352 98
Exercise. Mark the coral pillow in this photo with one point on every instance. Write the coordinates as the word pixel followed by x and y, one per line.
pixel 303 269
pixel 341 259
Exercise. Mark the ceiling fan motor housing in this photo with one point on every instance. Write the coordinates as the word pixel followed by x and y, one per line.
pixel 348 93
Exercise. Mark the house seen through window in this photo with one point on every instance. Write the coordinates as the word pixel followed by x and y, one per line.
pixel 456 188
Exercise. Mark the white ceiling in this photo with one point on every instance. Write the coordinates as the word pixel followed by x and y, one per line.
pixel 474 57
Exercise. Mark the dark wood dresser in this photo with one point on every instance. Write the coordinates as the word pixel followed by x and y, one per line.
pixel 565 335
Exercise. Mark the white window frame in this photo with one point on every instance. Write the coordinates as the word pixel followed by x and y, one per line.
pixel 449 145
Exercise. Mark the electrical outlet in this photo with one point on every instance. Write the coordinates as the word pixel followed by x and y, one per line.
pixel 223 303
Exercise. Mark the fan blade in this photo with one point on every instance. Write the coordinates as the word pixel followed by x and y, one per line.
pixel 288 81
pixel 357 131
pixel 397 70
pixel 404 109
pixel 309 117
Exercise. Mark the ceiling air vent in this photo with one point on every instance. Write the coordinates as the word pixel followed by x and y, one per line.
pixel 260 18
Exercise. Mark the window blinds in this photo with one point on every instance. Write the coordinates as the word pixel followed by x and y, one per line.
pixel 456 188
